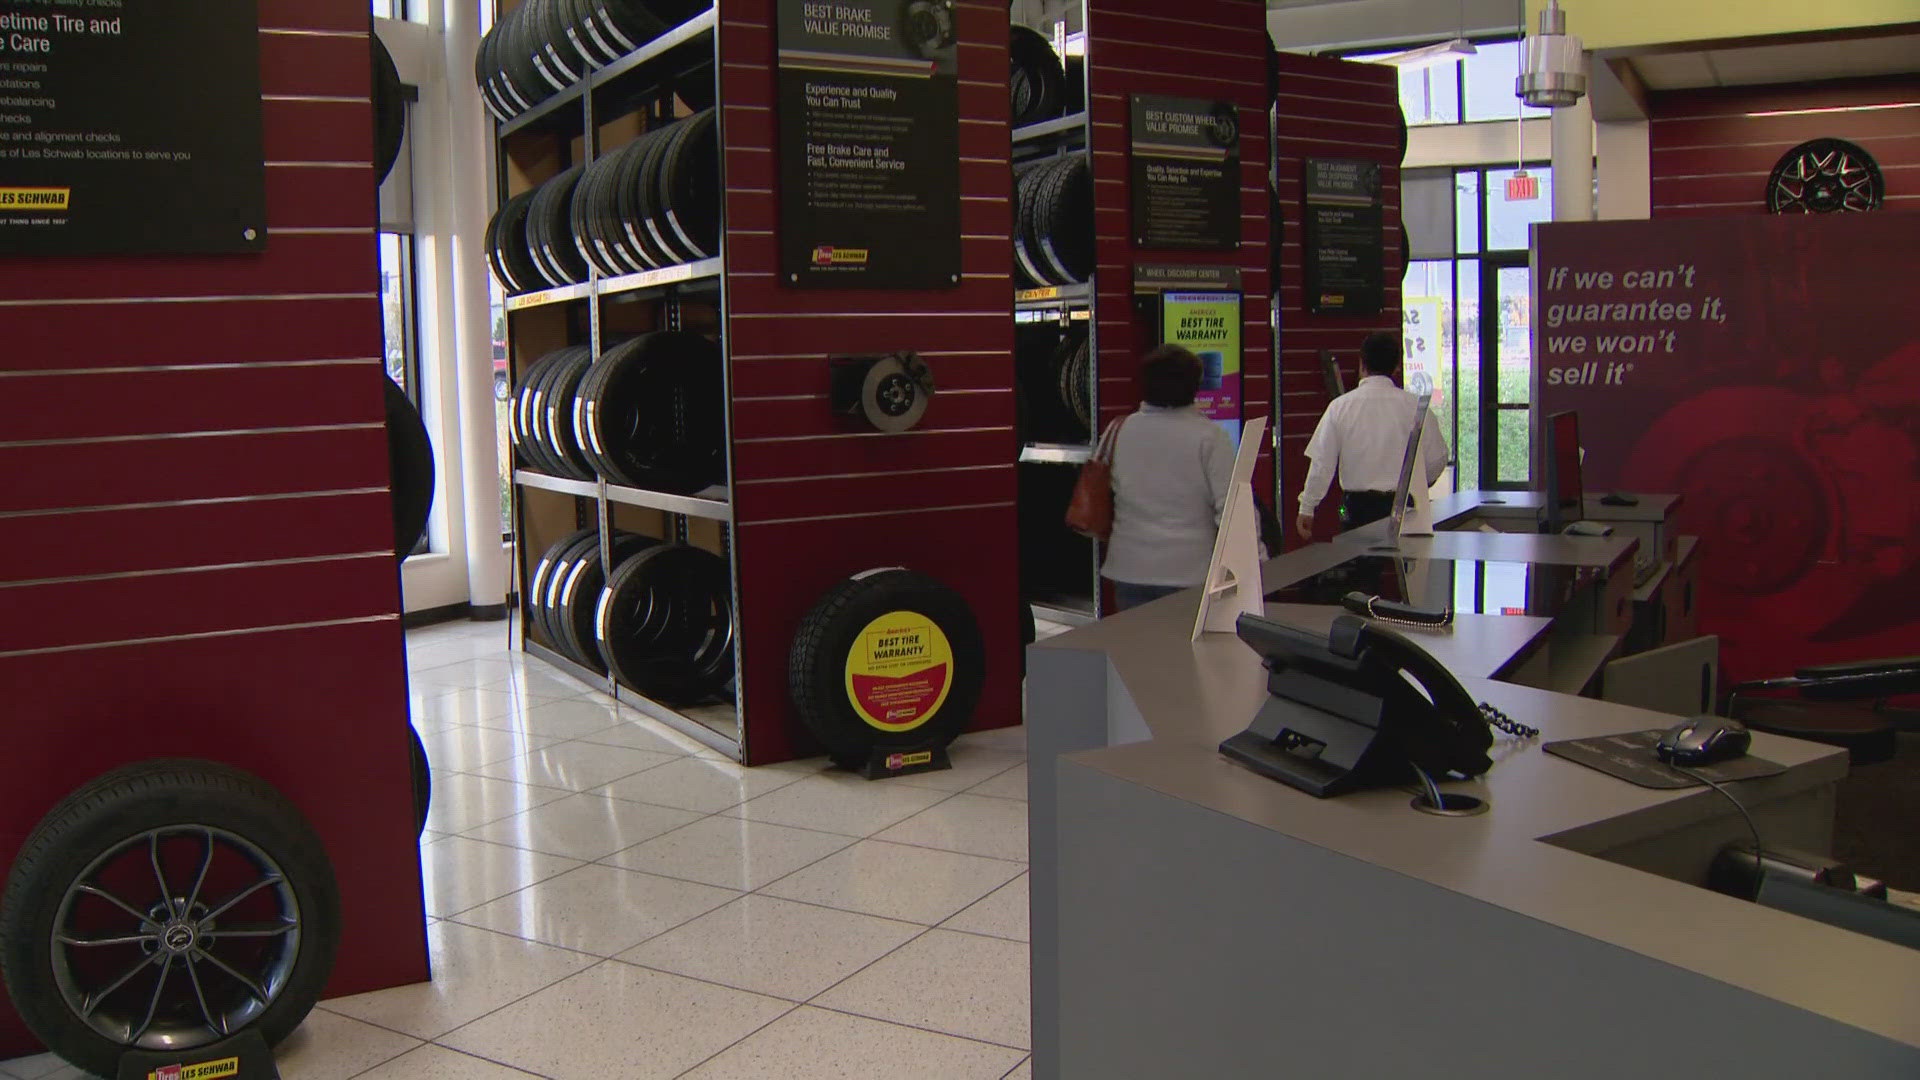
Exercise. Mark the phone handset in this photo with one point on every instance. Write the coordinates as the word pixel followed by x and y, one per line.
pixel 1439 725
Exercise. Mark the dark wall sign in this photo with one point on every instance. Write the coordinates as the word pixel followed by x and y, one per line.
pixel 1186 172
pixel 130 127
pixel 1345 248
pixel 869 144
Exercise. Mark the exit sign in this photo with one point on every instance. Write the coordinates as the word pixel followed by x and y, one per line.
pixel 1522 186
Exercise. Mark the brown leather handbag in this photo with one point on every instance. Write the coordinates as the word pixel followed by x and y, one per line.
pixel 1090 512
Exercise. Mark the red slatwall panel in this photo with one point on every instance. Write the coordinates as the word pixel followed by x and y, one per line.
pixel 1327 108
pixel 196 506
pixel 816 500
pixel 1208 49
pixel 1711 156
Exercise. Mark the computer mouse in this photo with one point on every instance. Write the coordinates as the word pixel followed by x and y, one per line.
pixel 1618 498
pixel 1703 740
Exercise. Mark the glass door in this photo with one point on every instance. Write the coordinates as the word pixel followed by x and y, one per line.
pixel 1506 372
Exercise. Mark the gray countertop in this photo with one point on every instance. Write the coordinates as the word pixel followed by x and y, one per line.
pixel 1533 853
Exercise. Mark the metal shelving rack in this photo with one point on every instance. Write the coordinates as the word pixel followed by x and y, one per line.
pixel 1067 304
pixel 632 84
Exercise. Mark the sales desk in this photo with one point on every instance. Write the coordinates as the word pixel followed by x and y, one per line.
pixel 1194 919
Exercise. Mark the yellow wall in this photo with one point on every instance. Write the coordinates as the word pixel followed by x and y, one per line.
pixel 1619 24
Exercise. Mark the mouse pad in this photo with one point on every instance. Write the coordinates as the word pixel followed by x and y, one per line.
pixel 1630 757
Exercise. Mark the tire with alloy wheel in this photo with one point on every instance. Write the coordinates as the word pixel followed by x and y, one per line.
pixel 888 659
pixel 165 906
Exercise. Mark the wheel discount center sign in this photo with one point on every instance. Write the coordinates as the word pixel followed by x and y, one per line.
pixel 869 144
pixel 130 127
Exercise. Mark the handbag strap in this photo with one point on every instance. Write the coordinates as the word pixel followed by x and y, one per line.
pixel 1103 450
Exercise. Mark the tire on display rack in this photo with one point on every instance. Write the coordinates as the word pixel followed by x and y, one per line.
pixel 166 906
pixel 1036 82
pixel 389 111
pixel 410 457
pixel 422 779
pixel 576 610
pixel 542 572
pixel 889 659
pixel 655 413
pixel 665 624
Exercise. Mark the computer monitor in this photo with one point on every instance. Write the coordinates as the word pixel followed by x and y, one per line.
pixel 1410 462
pixel 1565 491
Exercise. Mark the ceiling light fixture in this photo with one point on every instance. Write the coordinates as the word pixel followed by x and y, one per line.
pixel 1554 74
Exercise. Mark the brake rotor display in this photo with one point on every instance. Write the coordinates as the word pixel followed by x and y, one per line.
pixel 654 413
pixel 888 659
pixel 665 624
pixel 1825 176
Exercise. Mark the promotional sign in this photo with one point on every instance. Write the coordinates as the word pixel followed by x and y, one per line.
pixel 900 672
pixel 1766 369
pixel 130 127
pixel 1420 334
pixel 869 144
pixel 1208 325
pixel 1345 251
pixel 1186 172
pixel 1158 277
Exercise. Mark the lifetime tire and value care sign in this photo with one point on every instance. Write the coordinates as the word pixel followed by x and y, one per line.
pixel 869 144
pixel 130 127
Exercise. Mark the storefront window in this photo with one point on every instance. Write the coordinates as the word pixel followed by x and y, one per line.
pixel 502 395
pixel 1487 80
pixel 1507 217
pixel 397 311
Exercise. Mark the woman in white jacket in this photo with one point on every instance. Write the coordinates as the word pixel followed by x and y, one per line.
pixel 1171 469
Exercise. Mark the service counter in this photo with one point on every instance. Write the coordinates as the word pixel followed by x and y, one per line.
pixel 1193 918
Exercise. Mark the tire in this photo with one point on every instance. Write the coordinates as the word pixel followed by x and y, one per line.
pixel 410 457
pixel 389 111
pixel 171 811
pixel 893 705
pixel 665 624
pixel 422 780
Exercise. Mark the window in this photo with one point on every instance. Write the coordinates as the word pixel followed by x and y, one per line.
pixel 397 311
pixel 1469 241
pixel 390 9
pixel 1472 89
pixel 1487 84
pixel 502 401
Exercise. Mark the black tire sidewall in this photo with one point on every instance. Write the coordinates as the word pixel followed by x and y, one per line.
pixel 817 672
pixel 123 804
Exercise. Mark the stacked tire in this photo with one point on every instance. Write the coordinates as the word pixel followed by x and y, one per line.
pixel 647 413
pixel 1053 376
pixel 543 47
pixel 651 204
pixel 1053 225
pixel 1037 80
pixel 663 624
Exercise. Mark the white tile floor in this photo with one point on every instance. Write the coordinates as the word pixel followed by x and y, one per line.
pixel 610 899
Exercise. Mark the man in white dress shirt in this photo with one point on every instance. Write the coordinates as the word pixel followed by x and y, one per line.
pixel 1363 438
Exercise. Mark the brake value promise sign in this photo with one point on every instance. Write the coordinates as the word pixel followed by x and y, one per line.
pixel 869 144
pixel 130 127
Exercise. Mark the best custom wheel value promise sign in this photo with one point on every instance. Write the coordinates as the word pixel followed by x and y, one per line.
pixel 130 127
pixel 869 144
pixel 1186 172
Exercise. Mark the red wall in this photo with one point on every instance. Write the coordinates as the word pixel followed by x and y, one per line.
pixel 1710 156
pixel 1342 109
pixel 194 525
pixel 816 500
pixel 1205 49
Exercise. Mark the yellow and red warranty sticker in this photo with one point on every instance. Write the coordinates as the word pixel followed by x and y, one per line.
pixel 205 1070
pixel 20 200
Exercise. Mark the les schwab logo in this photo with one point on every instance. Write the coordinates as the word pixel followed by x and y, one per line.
pixel 205 1070
pixel 828 255
pixel 26 199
